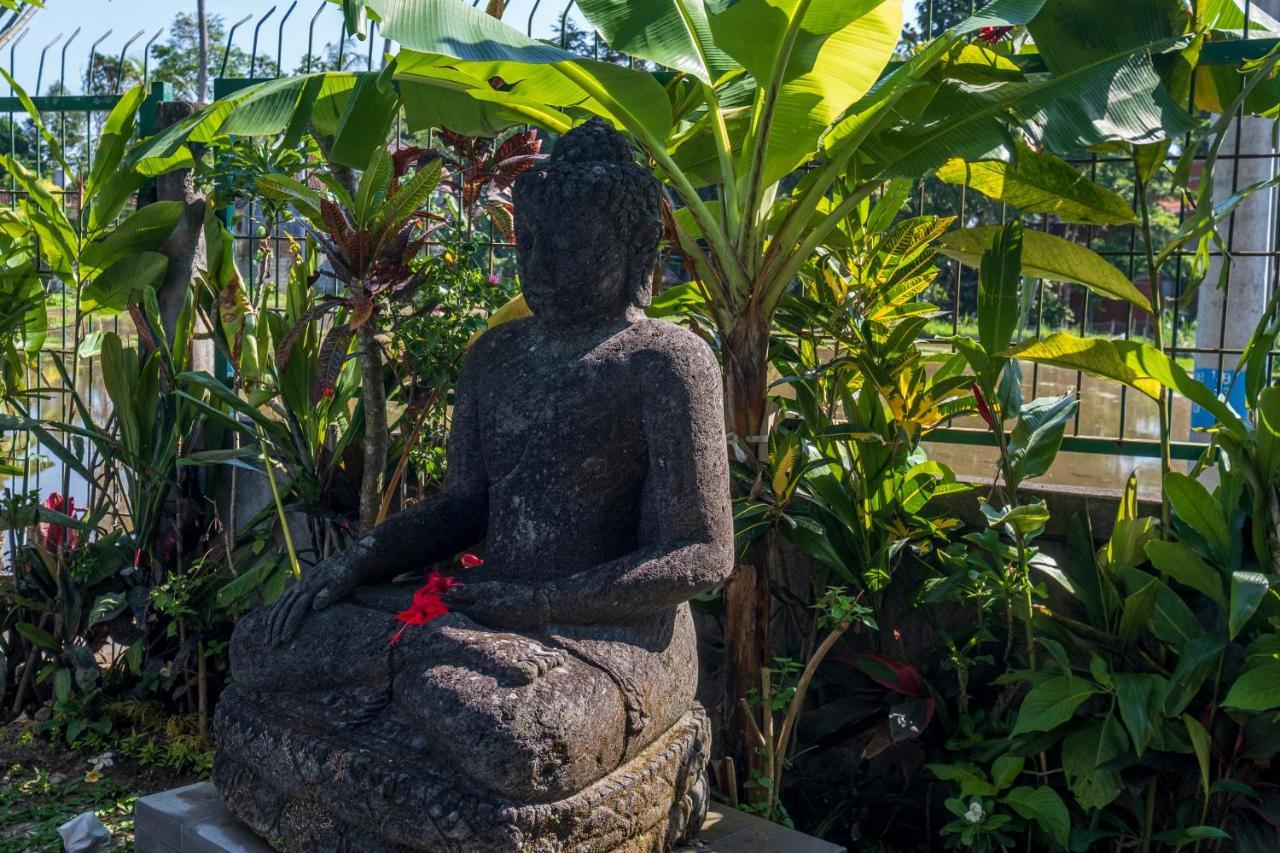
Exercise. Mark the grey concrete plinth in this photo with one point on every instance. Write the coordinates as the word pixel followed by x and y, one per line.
pixel 194 820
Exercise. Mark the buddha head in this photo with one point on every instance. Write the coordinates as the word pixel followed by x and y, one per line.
pixel 587 226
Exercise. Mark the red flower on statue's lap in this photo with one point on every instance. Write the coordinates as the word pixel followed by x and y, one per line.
pixel 427 603
pixel 470 561
pixel 439 584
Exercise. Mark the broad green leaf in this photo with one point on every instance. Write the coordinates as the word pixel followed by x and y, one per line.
pixel 1028 519
pixel 1044 808
pixel 1248 589
pixel 1038 435
pixel 128 276
pixel 1085 752
pixel 999 285
pixel 39 637
pixel 1040 182
pixel 366 121
pixel 1171 620
pixel 374 182
pixel 111 196
pixel 1196 660
pixel 1136 364
pixel 1268 432
pixel 485 47
pixel 266 109
pixel 1001 13
pixel 1139 606
pixel 1197 508
pixel 1112 94
pixel 1140 697
pixel 1257 689
pixel 117 130
pixel 1005 769
pixel 816 58
pixel 1187 567
pixel 145 230
pixel 970 779
pixel 1202 743
pixel 674 33
pixel 1050 258
pixel 1052 703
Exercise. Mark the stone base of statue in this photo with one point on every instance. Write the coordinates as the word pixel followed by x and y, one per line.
pixel 372 787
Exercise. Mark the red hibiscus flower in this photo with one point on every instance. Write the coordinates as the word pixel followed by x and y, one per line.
pixel 327 392
pixel 54 536
pixel 427 603
pixel 470 561
pixel 994 35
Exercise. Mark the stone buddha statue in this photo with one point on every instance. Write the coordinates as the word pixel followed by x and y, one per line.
pixel 553 707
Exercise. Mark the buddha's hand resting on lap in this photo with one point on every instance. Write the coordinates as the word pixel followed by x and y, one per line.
pixel 325 585
pixel 509 606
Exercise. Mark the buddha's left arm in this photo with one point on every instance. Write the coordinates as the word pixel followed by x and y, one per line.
pixel 691 551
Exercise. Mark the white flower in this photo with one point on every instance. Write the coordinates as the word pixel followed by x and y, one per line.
pixel 99 762
pixel 974 814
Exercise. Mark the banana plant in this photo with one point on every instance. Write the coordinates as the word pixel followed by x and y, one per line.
pixel 102 262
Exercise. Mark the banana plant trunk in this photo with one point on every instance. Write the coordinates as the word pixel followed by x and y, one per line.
pixel 376 436
pixel 746 595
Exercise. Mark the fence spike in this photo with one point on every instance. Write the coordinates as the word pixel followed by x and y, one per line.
pixel 120 65
pixel 231 34
pixel 253 52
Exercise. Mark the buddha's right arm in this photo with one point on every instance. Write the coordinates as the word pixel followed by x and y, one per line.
pixel 440 525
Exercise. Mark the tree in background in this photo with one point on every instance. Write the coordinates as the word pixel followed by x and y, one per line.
pixel 936 16
pixel 202 52
pixel 178 59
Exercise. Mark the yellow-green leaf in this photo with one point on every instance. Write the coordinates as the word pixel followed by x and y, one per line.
pixel 1039 182
pixel 1051 258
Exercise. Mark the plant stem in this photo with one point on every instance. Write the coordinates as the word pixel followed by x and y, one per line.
pixel 275 497
pixel 1157 304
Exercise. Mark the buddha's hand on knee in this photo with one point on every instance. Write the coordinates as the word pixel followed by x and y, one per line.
pixel 510 606
pixel 325 585
pixel 516 660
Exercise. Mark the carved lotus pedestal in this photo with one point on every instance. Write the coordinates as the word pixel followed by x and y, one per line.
pixel 374 786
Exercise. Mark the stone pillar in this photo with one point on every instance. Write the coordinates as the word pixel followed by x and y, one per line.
pixel 1227 315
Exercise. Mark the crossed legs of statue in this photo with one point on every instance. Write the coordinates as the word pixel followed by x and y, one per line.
pixel 521 719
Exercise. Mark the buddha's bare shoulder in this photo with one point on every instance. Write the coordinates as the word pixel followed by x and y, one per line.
pixel 666 348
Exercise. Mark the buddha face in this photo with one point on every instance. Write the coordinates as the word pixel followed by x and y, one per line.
pixel 574 266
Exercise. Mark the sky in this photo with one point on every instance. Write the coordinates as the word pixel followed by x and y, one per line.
pixel 123 18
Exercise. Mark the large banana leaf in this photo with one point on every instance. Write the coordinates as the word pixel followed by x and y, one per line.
pixel 350 106
pixel 452 28
pixel 1048 257
pixel 1039 182
pixel 1102 87
pixel 674 33
pixel 1138 365
pixel 833 50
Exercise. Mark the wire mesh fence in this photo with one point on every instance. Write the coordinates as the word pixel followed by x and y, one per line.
pixel 1115 430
